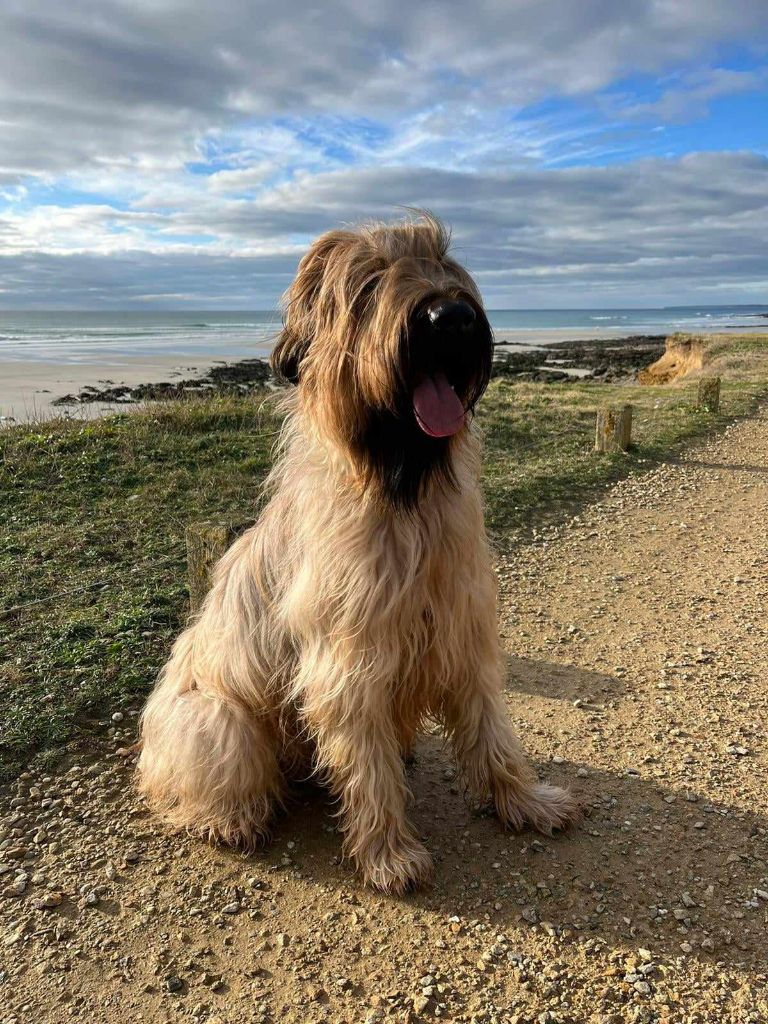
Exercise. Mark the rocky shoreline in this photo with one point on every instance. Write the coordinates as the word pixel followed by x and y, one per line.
pixel 605 360
pixel 602 360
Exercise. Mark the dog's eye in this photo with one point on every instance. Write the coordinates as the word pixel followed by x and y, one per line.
pixel 367 291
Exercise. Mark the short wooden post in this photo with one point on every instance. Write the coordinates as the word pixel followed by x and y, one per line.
pixel 614 429
pixel 709 394
pixel 206 543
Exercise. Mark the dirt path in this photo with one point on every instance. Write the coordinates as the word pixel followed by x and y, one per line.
pixel 639 666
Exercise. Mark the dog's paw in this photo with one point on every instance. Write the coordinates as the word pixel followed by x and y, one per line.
pixel 395 867
pixel 542 806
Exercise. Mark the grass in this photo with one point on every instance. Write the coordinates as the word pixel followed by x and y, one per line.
pixel 744 358
pixel 95 513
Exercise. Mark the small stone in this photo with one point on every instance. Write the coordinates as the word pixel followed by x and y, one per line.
pixel 18 886
pixel 18 933
pixel 174 984
pixel 49 901
pixel 118 716
pixel 235 908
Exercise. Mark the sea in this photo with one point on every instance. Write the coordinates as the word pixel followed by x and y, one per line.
pixel 112 337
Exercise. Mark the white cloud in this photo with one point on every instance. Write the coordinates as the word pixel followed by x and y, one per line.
pixel 166 148
pixel 117 83
pixel 688 96
pixel 657 230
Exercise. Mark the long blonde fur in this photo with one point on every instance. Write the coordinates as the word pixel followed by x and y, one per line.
pixel 339 622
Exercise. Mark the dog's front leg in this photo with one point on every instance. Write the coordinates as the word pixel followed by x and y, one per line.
pixel 493 761
pixel 358 752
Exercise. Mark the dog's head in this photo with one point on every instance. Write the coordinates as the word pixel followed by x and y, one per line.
pixel 387 340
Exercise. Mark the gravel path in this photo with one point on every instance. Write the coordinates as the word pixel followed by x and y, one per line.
pixel 639 669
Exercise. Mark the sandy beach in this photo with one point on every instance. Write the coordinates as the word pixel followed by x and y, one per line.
pixel 28 388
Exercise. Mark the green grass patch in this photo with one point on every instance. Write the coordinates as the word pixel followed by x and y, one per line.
pixel 539 437
pixel 95 514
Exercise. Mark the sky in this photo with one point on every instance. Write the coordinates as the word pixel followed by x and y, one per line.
pixel 161 154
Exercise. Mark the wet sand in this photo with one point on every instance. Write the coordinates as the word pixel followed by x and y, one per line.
pixel 27 389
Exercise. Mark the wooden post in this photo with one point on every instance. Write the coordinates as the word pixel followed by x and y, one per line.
pixel 206 543
pixel 709 394
pixel 614 429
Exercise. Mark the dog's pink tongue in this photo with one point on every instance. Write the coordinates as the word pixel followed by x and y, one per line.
pixel 438 409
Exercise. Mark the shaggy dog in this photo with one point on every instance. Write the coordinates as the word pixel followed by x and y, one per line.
pixel 363 601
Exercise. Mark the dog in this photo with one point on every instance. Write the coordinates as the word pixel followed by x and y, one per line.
pixel 363 601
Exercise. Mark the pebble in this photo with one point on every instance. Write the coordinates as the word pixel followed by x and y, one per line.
pixel 49 901
pixel 18 886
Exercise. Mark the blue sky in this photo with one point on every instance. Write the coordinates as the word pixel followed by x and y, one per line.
pixel 161 155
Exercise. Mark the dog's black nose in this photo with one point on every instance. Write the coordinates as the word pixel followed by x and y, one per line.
pixel 451 315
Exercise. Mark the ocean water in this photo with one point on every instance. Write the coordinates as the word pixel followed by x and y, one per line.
pixel 113 337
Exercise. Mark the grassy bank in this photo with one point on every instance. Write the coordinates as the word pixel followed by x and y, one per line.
pixel 95 514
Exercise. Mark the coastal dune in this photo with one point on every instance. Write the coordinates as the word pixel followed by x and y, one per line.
pixel 688 355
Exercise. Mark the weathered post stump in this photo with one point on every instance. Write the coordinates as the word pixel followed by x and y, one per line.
pixel 709 394
pixel 206 543
pixel 614 429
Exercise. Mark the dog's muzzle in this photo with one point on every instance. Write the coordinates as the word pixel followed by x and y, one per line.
pixel 449 324
pixel 451 316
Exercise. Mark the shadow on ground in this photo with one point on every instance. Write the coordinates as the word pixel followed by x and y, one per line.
pixel 649 866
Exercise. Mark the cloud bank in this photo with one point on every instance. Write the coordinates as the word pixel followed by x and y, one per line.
pixel 162 152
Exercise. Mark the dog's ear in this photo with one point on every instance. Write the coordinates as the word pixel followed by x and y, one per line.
pixel 307 303
pixel 287 356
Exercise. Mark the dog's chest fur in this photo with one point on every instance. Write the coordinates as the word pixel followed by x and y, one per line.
pixel 366 593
